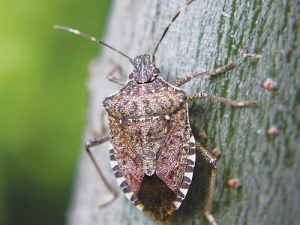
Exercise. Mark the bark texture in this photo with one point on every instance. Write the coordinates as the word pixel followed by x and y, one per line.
pixel 209 34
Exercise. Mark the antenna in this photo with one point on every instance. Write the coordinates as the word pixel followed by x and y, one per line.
pixel 177 14
pixel 91 38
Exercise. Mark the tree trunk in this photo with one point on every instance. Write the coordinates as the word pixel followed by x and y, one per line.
pixel 209 34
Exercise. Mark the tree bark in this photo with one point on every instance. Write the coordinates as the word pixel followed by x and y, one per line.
pixel 210 34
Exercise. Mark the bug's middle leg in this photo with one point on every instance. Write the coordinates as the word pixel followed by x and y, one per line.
pixel 202 95
pixel 92 143
pixel 213 162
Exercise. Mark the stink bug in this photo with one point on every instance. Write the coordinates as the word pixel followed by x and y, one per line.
pixel 153 149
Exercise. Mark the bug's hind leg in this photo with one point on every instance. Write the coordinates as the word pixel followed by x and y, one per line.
pixel 213 162
pixel 110 76
pixel 92 143
pixel 212 72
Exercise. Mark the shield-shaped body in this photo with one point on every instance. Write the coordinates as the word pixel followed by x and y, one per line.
pixel 153 150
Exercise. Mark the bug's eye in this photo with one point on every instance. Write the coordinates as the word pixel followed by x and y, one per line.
pixel 156 71
pixel 131 76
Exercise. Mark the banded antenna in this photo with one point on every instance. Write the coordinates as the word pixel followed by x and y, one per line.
pixel 174 18
pixel 91 38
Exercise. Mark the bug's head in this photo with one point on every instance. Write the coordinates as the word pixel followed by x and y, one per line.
pixel 144 69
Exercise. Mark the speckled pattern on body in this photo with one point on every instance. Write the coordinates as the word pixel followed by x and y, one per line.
pixel 152 140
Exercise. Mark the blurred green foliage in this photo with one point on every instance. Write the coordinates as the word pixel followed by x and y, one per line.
pixel 43 104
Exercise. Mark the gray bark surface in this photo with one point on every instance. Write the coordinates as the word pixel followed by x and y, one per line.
pixel 199 40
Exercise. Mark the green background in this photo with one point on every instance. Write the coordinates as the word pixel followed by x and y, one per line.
pixel 43 104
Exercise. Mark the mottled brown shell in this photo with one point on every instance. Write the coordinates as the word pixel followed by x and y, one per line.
pixel 150 134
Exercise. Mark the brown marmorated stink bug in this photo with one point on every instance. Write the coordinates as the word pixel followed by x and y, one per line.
pixel 153 150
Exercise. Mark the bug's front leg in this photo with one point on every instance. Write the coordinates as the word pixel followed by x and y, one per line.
pixel 213 162
pixel 212 72
pixel 92 143
pixel 110 76
pixel 202 95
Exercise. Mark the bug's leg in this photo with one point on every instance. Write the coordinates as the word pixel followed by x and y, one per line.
pixel 213 162
pixel 92 143
pixel 220 70
pixel 103 126
pixel 112 78
pixel 202 95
